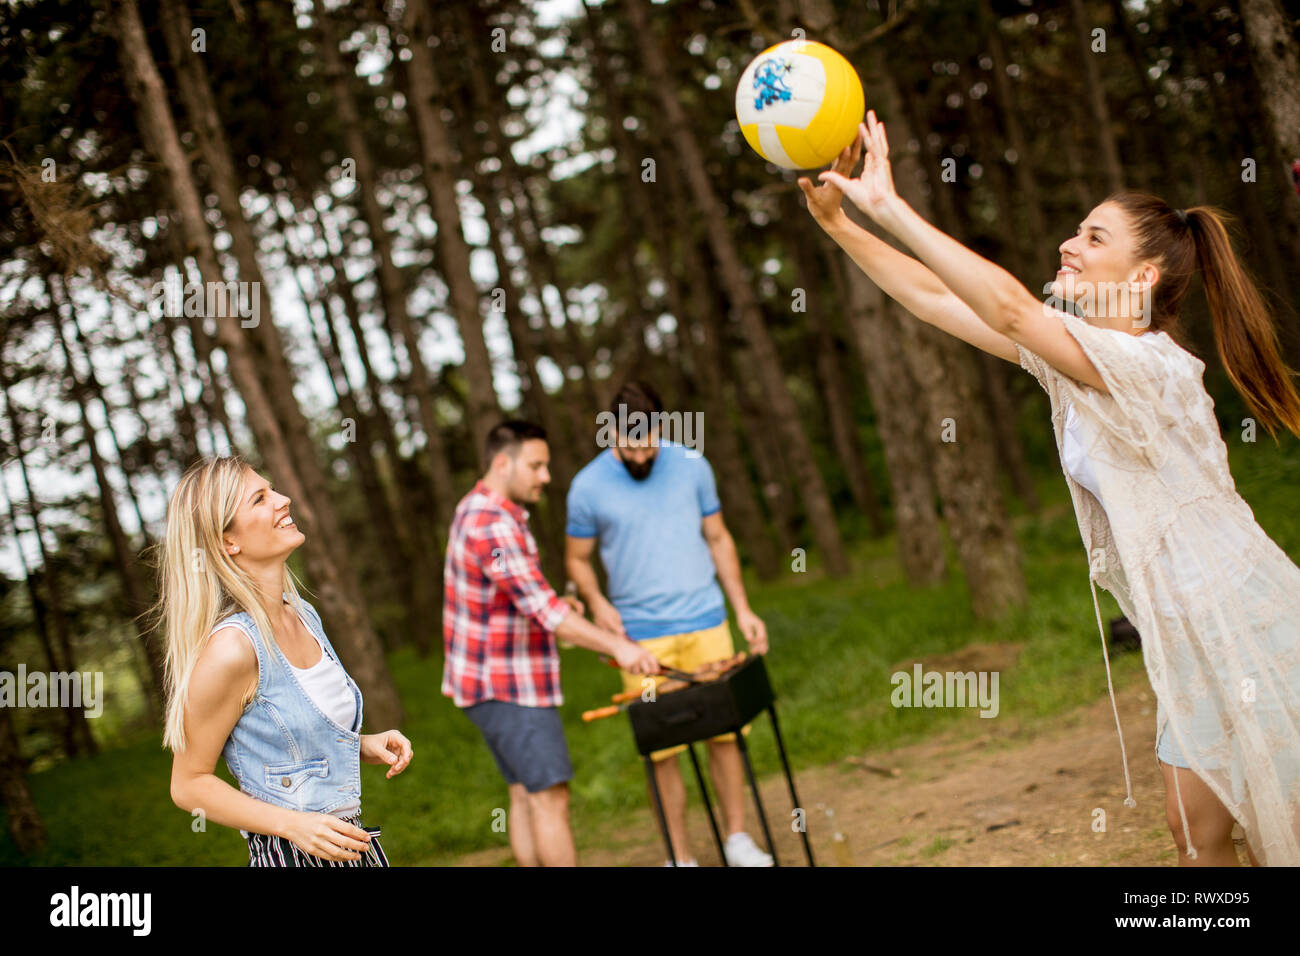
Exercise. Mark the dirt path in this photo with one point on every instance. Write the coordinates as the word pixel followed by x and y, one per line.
pixel 1016 795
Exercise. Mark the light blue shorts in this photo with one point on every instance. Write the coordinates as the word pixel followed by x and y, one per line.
pixel 1168 751
pixel 1199 734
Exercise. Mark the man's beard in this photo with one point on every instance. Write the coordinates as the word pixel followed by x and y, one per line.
pixel 639 470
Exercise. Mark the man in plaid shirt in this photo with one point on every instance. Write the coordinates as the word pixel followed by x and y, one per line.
pixel 500 624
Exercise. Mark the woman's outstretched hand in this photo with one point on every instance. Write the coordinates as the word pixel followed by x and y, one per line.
pixel 873 191
pixel 824 201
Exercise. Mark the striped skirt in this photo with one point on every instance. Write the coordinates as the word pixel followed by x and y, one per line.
pixel 266 850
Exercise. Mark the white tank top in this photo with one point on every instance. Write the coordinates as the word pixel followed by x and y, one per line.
pixel 1073 456
pixel 327 686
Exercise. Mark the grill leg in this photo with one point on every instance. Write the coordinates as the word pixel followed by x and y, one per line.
pixel 659 808
pixel 758 801
pixel 708 805
pixel 789 779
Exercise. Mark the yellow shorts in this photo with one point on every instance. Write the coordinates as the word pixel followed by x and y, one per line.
pixel 686 652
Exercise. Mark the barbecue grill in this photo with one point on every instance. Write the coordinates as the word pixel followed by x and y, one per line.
pixel 705 710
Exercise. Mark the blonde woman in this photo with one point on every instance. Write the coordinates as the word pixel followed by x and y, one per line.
pixel 253 678
pixel 1216 601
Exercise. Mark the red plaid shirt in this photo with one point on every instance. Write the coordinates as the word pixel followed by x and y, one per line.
pixel 499 615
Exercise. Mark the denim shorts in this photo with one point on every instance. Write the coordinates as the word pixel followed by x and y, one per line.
pixel 526 742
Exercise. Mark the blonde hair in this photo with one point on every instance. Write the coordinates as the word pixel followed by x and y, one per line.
pixel 199 584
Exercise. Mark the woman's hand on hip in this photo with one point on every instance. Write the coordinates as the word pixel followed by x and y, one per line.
pixel 390 747
pixel 326 836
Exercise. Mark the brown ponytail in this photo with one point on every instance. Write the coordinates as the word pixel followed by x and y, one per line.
pixel 1244 332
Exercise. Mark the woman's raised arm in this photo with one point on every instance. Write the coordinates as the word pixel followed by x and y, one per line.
pixel 994 296
pixel 899 276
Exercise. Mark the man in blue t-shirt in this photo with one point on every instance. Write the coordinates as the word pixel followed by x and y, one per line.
pixel 652 505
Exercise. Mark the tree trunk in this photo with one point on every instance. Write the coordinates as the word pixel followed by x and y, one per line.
pixel 643 211
pixel 392 289
pixel 831 385
pixel 416 490
pixel 71 747
pixel 1003 416
pixel 1271 38
pixel 492 185
pixel 563 467
pixel 535 401
pixel 424 103
pixel 1003 408
pixel 1029 198
pixel 185 442
pixel 152 691
pixel 420 543
pixel 735 489
pixel 767 367
pixel 1240 101
pixel 1096 93
pixel 1270 34
pixel 80 739
pixel 965 470
pixel 1082 179
pixel 898 422
pixel 124 557
pixel 396 583
pixel 326 564
pixel 212 391
pixel 1153 122
pixel 25 824
pixel 61 297
pixel 565 343
pixel 772 476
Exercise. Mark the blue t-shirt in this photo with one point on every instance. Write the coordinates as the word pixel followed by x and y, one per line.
pixel 661 574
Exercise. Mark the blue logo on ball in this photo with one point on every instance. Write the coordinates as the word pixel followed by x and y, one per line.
pixel 769 80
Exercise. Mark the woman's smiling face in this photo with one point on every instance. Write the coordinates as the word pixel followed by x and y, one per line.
pixel 262 530
pixel 1099 259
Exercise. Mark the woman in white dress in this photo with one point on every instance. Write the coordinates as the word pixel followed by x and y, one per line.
pixel 1216 601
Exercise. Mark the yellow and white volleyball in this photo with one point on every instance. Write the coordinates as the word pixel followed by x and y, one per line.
pixel 799 104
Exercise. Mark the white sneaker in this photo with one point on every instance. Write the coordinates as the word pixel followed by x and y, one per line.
pixel 681 863
pixel 741 850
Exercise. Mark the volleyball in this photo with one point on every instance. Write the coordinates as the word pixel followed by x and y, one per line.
pixel 799 104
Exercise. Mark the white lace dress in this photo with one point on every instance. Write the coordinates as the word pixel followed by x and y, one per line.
pixel 1216 602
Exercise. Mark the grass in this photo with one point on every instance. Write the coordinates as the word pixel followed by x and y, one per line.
pixel 835 644
pixel 939 846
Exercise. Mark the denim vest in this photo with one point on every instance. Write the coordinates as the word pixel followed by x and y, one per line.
pixel 283 749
